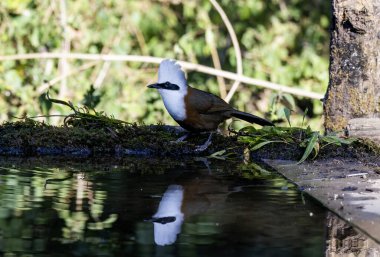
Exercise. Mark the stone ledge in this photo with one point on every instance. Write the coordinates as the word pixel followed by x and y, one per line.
pixel 349 188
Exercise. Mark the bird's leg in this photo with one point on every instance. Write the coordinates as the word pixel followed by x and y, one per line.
pixel 203 147
pixel 183 138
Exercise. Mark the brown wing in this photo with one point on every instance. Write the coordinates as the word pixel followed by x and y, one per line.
pixel 206 103
pixel 204 111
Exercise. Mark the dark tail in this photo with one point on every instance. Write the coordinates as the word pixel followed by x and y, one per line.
pixel 251 118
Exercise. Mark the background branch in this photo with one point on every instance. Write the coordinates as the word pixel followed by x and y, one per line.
pixel 235 43
pixel 64 65
pixel 157 60
pixel 41 89
pixel 210 39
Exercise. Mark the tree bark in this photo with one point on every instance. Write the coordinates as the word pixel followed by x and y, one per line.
pixel 354 87
pixel 344 240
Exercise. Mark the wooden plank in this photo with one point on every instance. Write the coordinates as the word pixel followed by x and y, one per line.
pixel 365 128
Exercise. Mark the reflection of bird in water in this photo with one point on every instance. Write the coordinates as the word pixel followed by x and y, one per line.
pixel 168 218
pixel 191 199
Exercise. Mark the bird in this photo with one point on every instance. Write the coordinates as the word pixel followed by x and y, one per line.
pixel 193 109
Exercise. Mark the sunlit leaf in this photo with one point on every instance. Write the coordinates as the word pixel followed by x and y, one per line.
pixel 304 116
pixel 310 147
pixel 287 113
pixel 218 153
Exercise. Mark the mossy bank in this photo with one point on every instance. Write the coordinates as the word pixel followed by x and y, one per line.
pixel 31 138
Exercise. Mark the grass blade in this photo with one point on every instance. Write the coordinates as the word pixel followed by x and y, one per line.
pixel 287 115
pixel 258 146
pixel 310 146
pixel 52 100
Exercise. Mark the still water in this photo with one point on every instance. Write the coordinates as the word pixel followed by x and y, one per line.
pixel 134 207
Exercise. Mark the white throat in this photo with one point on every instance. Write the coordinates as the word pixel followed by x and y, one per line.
pixel 174 100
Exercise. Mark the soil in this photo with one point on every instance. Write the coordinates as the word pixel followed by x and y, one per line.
pixel 30 138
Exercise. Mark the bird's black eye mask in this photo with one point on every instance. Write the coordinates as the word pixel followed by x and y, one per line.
pixel 166 85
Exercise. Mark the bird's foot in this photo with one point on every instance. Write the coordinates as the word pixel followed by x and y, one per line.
pixel 181 139
pixel 203 147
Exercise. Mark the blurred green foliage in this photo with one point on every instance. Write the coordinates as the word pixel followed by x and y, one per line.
pixel 283 41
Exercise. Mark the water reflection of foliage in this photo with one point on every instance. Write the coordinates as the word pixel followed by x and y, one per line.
pixel 81 208
pixel 22 223
pixel 279 185
pixel 202 232
pixel 23 193
pixel 83 203
pixel 64 167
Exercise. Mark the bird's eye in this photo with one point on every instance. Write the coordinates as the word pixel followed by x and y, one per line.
pixel 167 83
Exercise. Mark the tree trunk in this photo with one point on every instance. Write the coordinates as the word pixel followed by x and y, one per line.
pixel 344 240
pixel 354 87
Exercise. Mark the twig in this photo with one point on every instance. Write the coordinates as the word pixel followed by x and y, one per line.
pixel 106 49
pixel 140 38
pixel 39 116
pixel 102 74
pixel 235 43
pixel 66 48
pixel 363 174
pixel 216 61
pixel 157 60
pixel 41 89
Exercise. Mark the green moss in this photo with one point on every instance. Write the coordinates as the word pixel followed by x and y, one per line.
pixel 361 104
pixel 30 135
pixel 157 141
pixel 363 150
pixel 99 135
pixel 368 146
pixel 88 132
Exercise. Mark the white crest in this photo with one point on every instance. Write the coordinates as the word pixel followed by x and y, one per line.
pixel 171 71
pixel 174 100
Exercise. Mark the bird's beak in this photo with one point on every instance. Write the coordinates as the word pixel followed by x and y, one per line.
pixel 155 85
pixel 165 85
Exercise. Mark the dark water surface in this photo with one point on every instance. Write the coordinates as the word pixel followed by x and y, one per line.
pixel 155 208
